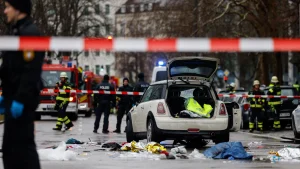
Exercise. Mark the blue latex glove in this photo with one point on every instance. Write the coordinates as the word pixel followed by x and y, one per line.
pixel 16 109
pixel 2 109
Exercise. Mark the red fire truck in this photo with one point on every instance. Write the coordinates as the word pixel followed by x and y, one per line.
pixel 50 75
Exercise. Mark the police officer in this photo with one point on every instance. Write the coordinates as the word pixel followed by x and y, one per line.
pixel 141 86
pixel 62 101
pixel 257 107
pixel 104 102
pixel 20 73
pixel 125 103
pixel 275 103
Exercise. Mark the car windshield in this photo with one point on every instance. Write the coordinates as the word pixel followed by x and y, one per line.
pixel 161 75
pixel 287 92
pixel 50 78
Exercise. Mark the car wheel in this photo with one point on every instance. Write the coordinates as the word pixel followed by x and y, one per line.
pixel 197 143
pixel 222 138
pixel 283 125
pixel 130 136
pixel 88 113
pixel 296 134
pixel 38 116
pixel 152 135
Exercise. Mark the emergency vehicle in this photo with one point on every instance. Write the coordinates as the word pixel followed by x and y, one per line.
pixel 50 76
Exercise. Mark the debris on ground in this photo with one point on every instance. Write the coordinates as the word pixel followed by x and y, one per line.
pixel 155 148
pixel 227 150
pixel 289 153
pixel 133 146
pixel 112 146
pixel 255 144
pixel 58 154
pixel 197 155
pixel 179 150
pixel 74 141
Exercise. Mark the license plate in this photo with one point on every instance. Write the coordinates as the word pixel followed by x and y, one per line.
pixel 50 107
pixel 284 114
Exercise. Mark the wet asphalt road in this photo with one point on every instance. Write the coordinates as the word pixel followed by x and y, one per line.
pixel 91 159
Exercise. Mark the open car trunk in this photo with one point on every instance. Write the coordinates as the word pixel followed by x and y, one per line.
pixel 178 94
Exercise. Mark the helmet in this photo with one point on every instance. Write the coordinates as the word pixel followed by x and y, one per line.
pixel 256 82
pixel 232 85
pixel 274 79
pixel 63 74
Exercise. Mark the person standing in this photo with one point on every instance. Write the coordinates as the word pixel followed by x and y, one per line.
pixel 20 73
pixel 125 103
pixel 62 102
pixel 104 104
pixel 275 103
pixel 257 107
pixel 141 86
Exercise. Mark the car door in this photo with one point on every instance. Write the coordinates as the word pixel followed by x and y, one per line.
pixel 139 113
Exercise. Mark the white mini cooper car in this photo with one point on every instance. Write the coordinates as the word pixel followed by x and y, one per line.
pixel 159 115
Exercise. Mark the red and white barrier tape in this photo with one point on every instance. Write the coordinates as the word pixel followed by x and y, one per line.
pixel 257 96
pixel 49 91
pixel 150 44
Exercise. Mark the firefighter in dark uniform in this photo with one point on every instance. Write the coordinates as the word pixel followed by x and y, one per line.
pixel 231 88
pixel 20 74
pixel 275 103
pixel 104 104
pixel 297 86
pixel 257 107
pixel 141 86
pixel 62 101
pixel 125 103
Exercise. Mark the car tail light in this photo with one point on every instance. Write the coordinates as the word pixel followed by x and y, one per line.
pixel 193 130
pixel 161 108
pixel 222 110
pixel 246 106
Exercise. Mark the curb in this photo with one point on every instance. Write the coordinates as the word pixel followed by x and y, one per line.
pixel 263 136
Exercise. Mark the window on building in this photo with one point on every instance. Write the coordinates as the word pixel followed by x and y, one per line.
pixel 108 53
pixel 123 9
pixel 146 6
pixel 107 29
pixel 86 11
pixel 97 53
pixel 98 69
pixel 132 8
pixel 107 9
pixel 108 69
pixel 86 53
pixel 142 7
pixel 86 68
pixel 150 6
pixel 97 9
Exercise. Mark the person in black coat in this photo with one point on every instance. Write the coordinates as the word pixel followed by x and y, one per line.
pixel 140 86
pixel 20 73
pixel 125 103
pixel 104 104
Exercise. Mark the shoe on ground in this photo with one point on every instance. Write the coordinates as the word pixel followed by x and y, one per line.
pixel 251 131
pixel 95 131
pixel 68 127
pixel 117 131
pixel 57 129
pixel 105 131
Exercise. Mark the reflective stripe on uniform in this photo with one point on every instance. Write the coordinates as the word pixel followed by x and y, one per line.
pixel 260 125
pixel 256 106
pixel 251 125
pixel 275 103
pixel 277 125
pixel 62 99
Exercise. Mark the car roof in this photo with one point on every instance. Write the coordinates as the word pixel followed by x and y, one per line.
pixel 160 68
pixel 196 82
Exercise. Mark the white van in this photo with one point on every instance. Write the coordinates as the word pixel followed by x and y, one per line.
pixel 159 73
